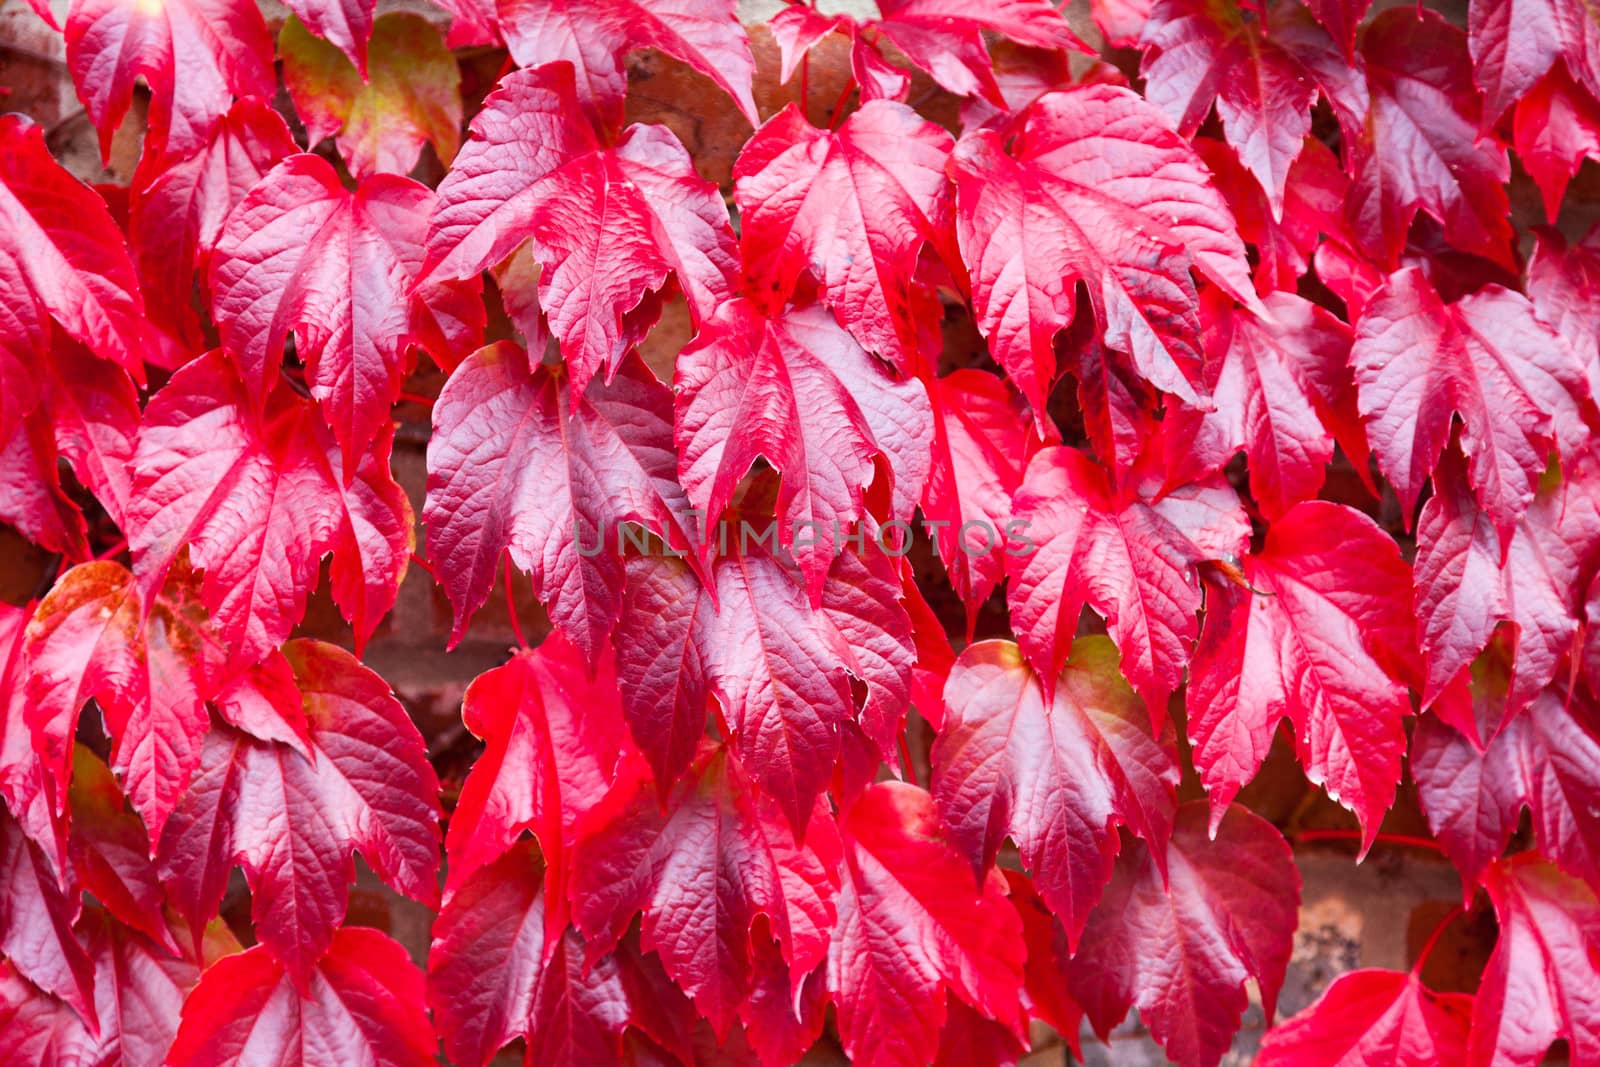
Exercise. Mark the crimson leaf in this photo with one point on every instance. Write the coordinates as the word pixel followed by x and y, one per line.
pixel 301 253
pixel 514 466
pixel 1515 384
pixel 364 998
pixel 608 223
pixel 912 929
pixel 1181 946
pixel 1128 552
pixel 195 55
pixel 1319 630
pixel 643 851
pixel 493 975
pixel 798 391
pixel 149 661
pixel 293 821
pixel 594 36
pixel 554 734
pixel 1543 978
pixel 1056 773
pixel 854 207
pixel 1106 195
pixel 1372 1015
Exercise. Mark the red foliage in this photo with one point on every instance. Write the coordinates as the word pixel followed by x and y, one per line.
pixel 1277 230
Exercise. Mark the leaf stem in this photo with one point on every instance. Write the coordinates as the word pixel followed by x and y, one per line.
pixel 511 605
pixel 426 566
pixel 838 105
pixel 1399 840
pixel 805 85
pixel 907 768
pixel 415 398
pixel 115 550
pixel 1433 939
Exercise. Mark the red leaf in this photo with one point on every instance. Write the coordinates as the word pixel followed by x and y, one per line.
pixel 1342 18
pixel 251 491
pixel 782 670
pixel 24 782
pixel 968 1037
pixel 264 702
pixel 150 663
pixel 1564 285
pixel 493 976
pixel 1543 979
pixel 31 495
pixel 1515 384
pixel 608 224
pixel 1045 990
pixel 302 254
pixel 175 215
pixel 779 1030
pixel 798 28
pixel 363 999
pixel 701 863
pixel 196 56
pixel 777 669
pixel 1107 195
pixel 1465 588
pixel 1513 45
pixel 512 466
pixel 1181 948
pixel 37 1028
pixel 1557 127
pixel 555 735
pixel 863 601
pixel 912 928
pixel 945 37
pixel 1129 553
pixel 346 24
pixel 140 990
pixel 293 822
pixel 982 442
pixel 111 851
pixel 1373 1016
pixel 64 256
pixel 1057 774
pixel 1544 758
pixel 595 35
pixel 472 22
pixel 36 919
pixel 94 410
pixel 799 392
pixel 1420 148
pixel 933 654
pixel 853 207
pixel 1276 385
pixel 1320 631
pixel 1263 72
pixel 411 94
pixel 374 537
pixel 664 657
pixel 1313 202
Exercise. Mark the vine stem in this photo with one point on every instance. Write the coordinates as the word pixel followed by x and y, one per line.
pixel 114 550
pixel 907 766
pixel 837 113
pixel 1403 840
pixel 1433 939
pixel 416 398
pixel 511 605
pixel 426 566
